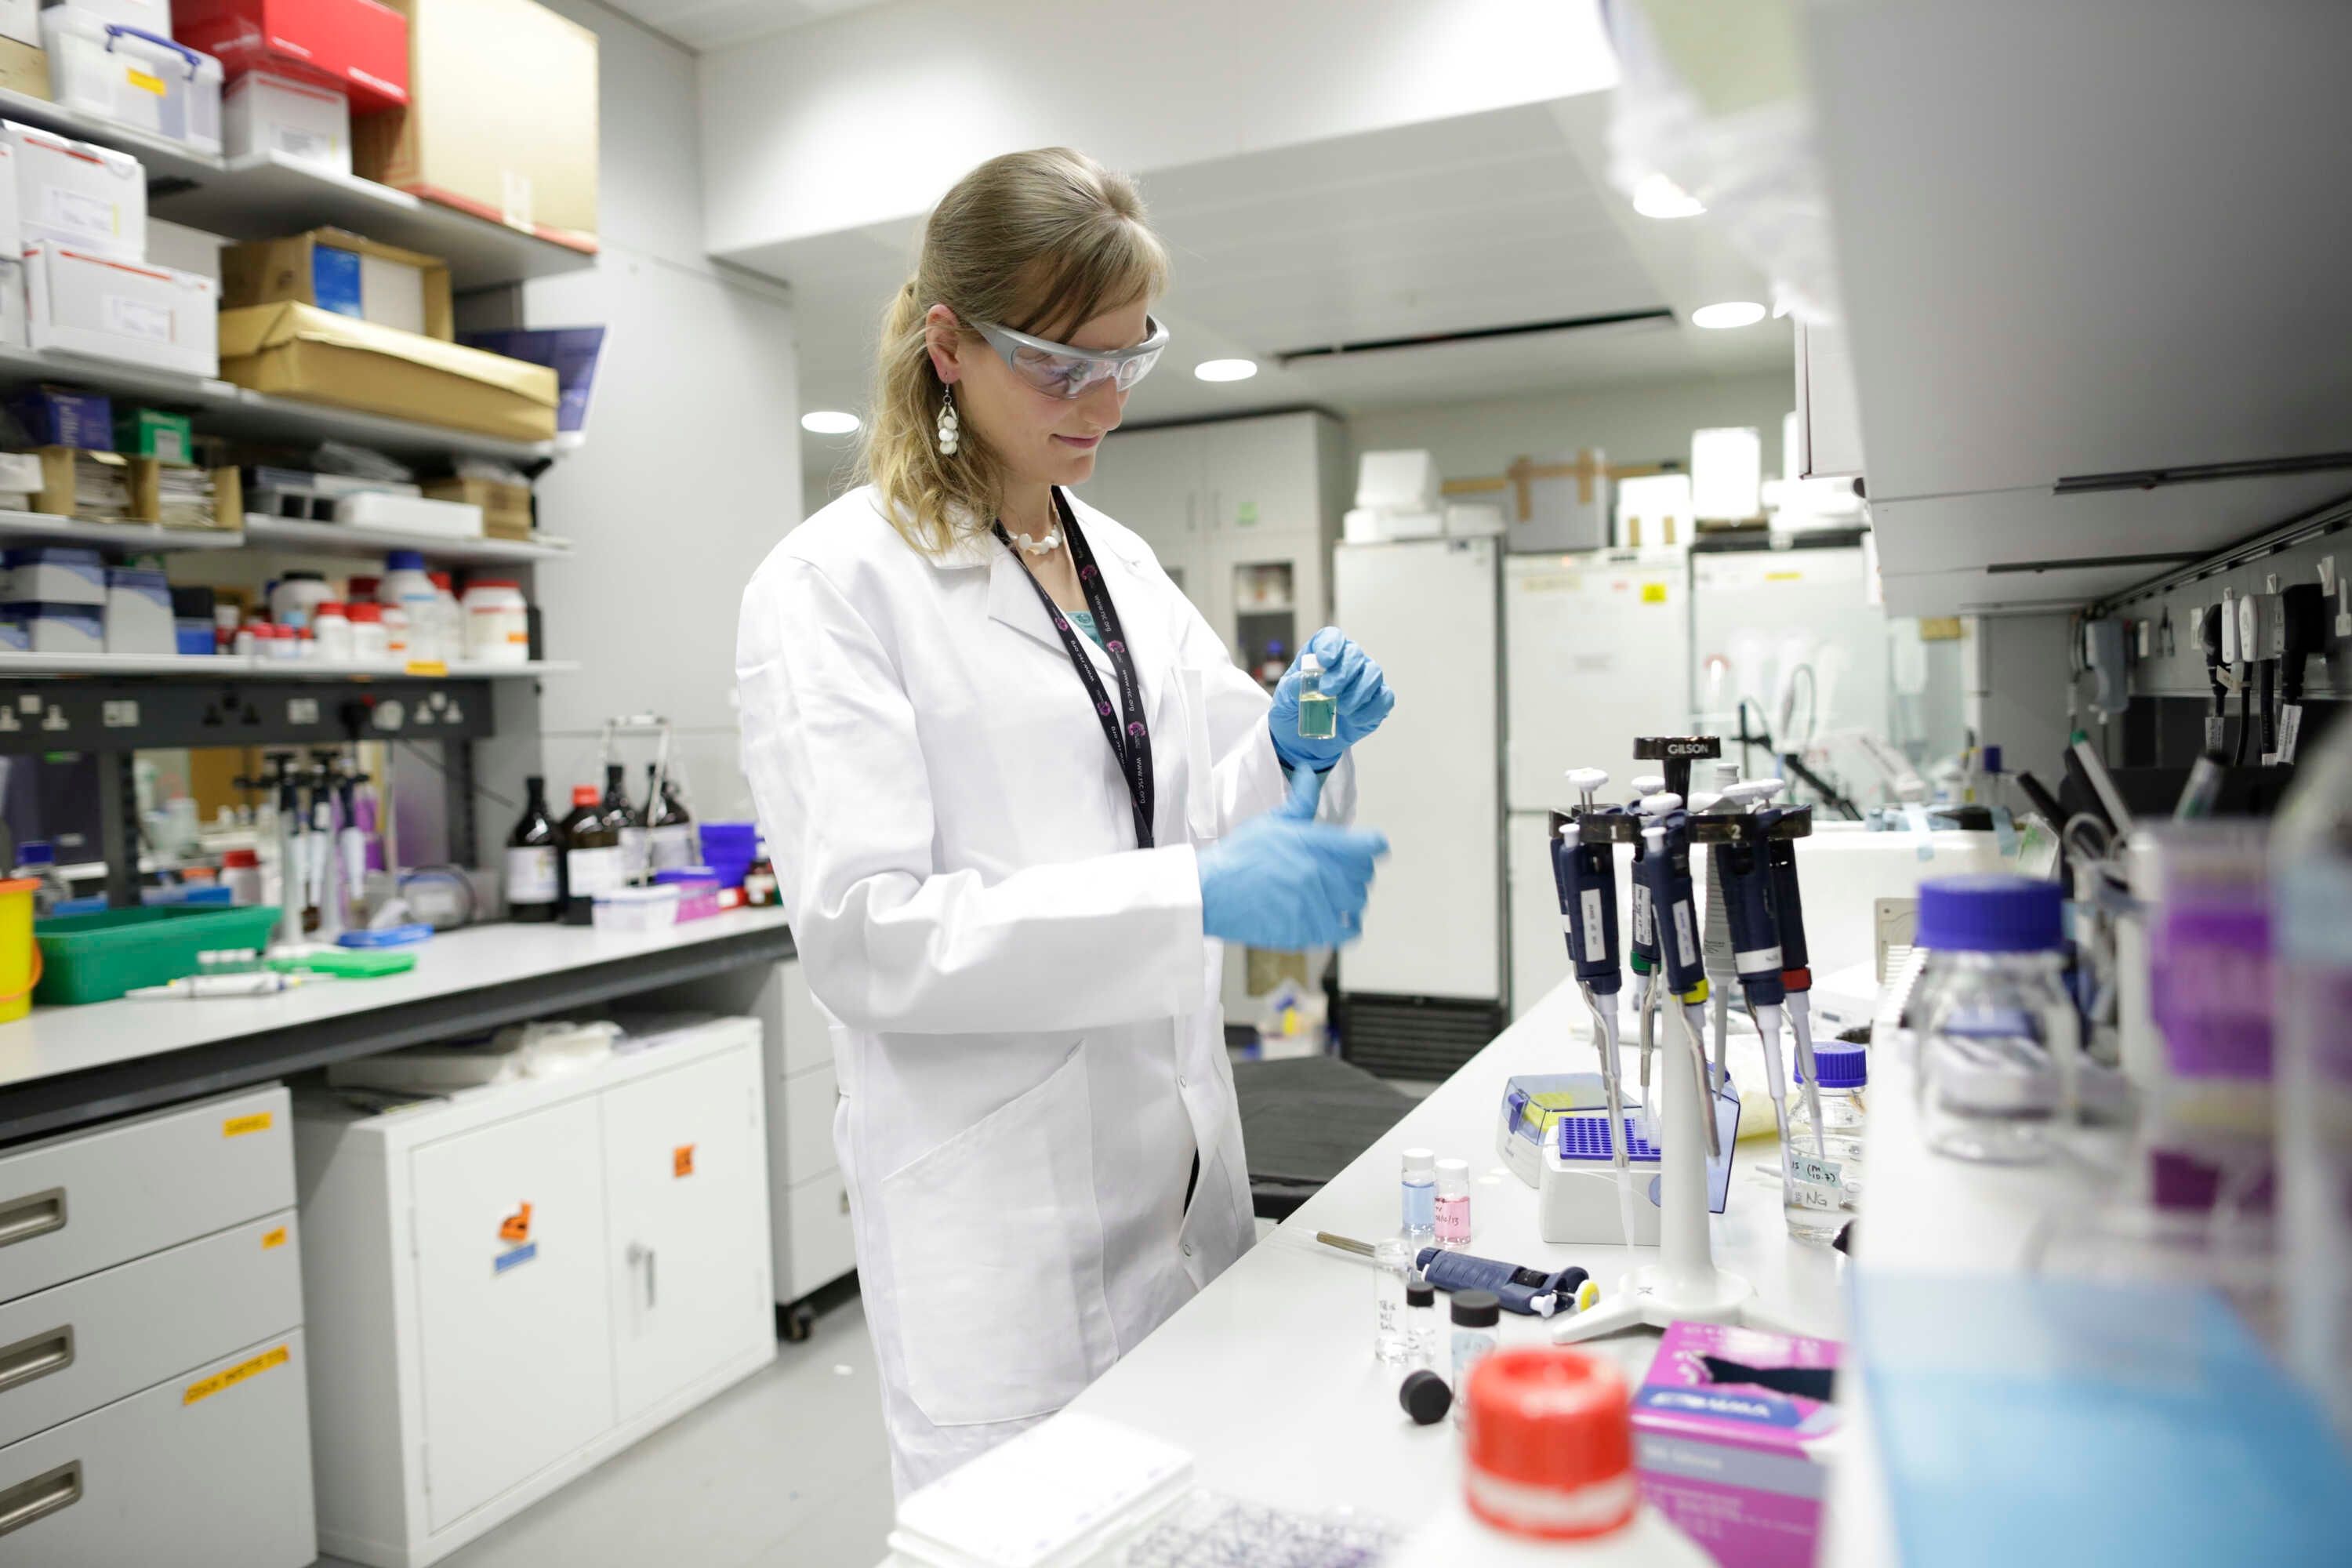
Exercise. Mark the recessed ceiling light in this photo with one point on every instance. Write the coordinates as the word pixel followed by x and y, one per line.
pixel 828 422
pixel 1225 369
pixel 1658 196
pixel 1731 314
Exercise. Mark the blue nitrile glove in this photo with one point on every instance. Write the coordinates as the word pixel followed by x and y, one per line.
pixel 1286 881
pixel 1357 688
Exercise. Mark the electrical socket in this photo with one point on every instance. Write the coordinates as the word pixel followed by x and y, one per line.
pixel 2230 625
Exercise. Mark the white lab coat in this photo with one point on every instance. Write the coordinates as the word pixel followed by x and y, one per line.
pixel 1026 1017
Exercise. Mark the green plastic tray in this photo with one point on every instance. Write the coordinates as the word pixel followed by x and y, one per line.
pixel 95 958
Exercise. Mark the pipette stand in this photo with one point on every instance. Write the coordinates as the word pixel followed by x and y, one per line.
pixel 1683 1285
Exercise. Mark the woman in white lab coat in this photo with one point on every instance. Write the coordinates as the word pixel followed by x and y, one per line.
pixel 1017 794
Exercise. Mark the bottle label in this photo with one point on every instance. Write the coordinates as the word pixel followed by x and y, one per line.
pixel 594 871
pixel 530 875
pixel 671 845
pixel 635 853
pixel 1453 1221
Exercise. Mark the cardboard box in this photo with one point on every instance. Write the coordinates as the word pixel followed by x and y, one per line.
pixel 61 492
pixel 358 45
pixel 89 304
pixel 78 194
pixel 299 350
pixel 506 509
pixel 23 68
pixel 65 417
pixel 20 21
pixel 263 112
pixel 501 119
pixel 147 500
pixel 343 273
pixel 152 432
pixel 1725 1429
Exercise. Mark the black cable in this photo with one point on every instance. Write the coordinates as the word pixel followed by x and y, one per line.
pixel 2246 722
pixel 2269 708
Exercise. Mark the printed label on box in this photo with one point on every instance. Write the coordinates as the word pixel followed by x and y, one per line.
pixel 142 82
pixel 239 1126
pixel 129 318
pixel 209 1387
pixel 89 214
pixel 302 143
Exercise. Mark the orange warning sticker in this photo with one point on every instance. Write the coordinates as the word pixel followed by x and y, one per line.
pixel 239 1126
pixel 207 1387
pixel 681 1159
pixel 270 1239
pixel 516 1226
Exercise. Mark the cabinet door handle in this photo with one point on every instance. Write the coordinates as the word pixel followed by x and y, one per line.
pixel 44 1495
pixel 36 1214
pixel 640 1253
pixel 36 1357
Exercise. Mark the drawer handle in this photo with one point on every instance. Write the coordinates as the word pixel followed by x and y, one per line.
pixel 37 1357
pixel 29 1501
pixel 38 1214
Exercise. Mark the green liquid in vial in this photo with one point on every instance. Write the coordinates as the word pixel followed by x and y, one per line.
pixel 1318 717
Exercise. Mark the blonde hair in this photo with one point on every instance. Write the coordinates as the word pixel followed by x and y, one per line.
pixel 1037 241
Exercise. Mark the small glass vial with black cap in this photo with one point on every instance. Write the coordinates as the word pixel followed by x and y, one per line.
pixel 1421 1323
pixel 1476 1314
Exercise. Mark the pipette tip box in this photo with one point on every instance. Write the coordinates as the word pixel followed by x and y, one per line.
pixel 1725 1428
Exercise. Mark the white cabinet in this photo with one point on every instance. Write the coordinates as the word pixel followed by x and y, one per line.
pixel 515 1282
pixel 1829 424
pixel 686 1176
pixel 135 1257
pixel 812 1240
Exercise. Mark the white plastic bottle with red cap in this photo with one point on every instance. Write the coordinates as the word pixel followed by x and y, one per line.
pixel 1547 1475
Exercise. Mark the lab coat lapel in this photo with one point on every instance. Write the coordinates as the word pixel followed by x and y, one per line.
pixel 1013 599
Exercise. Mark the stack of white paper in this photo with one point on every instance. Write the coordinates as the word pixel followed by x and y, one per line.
pixel 1051 1497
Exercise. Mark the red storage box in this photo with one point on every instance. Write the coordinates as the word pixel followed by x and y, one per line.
pixel 359 46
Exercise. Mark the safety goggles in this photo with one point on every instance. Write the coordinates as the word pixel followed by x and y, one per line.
pixel 1057 369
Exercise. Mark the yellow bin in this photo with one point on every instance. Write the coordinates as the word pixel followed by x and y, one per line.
pixel 20 955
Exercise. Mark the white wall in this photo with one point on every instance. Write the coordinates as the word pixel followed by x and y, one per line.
pixel 1638 424
pixel 869 115
pixel 691 467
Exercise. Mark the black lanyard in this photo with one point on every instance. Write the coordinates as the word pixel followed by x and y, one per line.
pixel 1132 744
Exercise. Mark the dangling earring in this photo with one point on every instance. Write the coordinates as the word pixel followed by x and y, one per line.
pixel 951 432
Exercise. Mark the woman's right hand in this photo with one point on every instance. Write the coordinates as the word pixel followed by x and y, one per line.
pixel 1287 882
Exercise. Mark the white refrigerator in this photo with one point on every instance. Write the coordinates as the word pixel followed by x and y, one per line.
pixel 1596 653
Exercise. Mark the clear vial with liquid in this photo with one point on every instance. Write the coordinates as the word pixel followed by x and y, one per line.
pixel 1392 1271
pixel 1454 1204
pixel 1319 716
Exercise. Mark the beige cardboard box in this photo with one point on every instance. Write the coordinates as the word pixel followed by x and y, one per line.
pixel 298 351
pixel 501 119
pixel 25 67
pixel 506 509
pixel 55 496
pixel 147 496
pixel 393 287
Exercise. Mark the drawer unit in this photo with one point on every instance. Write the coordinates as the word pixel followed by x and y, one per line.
pixel 70 1349
pixel 808 1124
pixel 818 1243
pixel 85 1201
pixel 808 1038
pixel 211 1469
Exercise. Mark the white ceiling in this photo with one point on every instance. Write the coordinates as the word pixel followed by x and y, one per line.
pixel 709 23
pixel 1487 220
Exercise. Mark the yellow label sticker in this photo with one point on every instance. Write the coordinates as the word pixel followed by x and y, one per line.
pixel 144 83
pixel 211 1385
pixel 239 1126
pixel 1653 593
pixel 270 1239
pixel 427 667
pixel 1784 576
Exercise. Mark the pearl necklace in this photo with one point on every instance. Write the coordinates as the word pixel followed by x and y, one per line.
pixel 1046 546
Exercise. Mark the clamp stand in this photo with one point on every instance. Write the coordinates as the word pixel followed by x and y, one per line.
pixel 1683 1284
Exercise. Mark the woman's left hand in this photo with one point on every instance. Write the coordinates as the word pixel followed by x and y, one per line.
pixel 1359 691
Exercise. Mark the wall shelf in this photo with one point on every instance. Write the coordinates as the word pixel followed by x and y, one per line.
pixel 221 409
pixel 240 667
pixel 337 539
pixel 265 195
pixel 20 528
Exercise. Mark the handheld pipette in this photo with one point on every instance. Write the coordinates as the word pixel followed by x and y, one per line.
pixel 1643 961
pixel 1664 865
pixel 1715 940
pixel 1529 1292
pixel 1746 883
pixel 1587 897
pixel 1789 925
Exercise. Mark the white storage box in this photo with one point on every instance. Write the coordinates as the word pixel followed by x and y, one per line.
pixel 77 193
pixel 296 120
pixel 165 89
pixel 637 908
pixel 184 249
pixel 55 574
pixel 13 330
pixel 139 612
pixel 21 20
pixel 411 514
pixel 1473 520
pixel 87 304
pixel 1397 481
pixel 60 628
pixel 147 15
pixel 20 474
pixel 12 227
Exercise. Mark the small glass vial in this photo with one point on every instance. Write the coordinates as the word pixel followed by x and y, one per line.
pixel 1392 1268
pixel 1420 1323
pixel 1454 1204
pixel 1825 1171
pixel 1475 1315
pixel 1421 1195
pixel 1319 716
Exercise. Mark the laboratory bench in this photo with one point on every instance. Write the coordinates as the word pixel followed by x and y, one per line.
pixel 63 1066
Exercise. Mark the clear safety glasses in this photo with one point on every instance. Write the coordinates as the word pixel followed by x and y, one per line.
pixel 1058 370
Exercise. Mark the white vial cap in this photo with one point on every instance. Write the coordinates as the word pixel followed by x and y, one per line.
pixel 1421 1160
pixel 1308 664
pixel 1453 1168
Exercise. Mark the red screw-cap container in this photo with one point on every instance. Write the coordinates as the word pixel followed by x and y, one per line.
pixel 584 795
pixel 1548 1444
pixel 233 858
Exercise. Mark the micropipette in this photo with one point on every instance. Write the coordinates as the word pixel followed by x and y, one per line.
pixel 1529 1292
pixel 1746 882
pixel 1588 899
pixel 1665 866
pixel 1788 925
pixel 1642 959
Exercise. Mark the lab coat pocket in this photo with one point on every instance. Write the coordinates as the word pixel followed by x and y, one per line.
pixel 1200 766
pixel 996 1246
